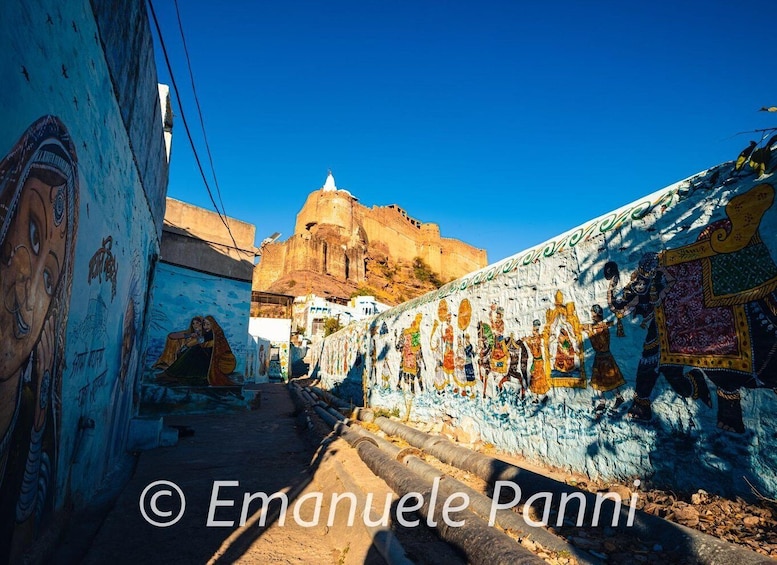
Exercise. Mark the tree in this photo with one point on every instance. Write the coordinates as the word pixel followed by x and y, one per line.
pixel 424 273
pixel 331 325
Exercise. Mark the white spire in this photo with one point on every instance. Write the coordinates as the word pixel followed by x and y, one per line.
pixel 329 185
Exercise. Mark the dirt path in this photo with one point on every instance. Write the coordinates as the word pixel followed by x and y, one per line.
pixel 273 449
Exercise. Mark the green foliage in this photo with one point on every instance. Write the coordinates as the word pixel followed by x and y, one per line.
pixel 424 273
pixel 387 270
pixel 386 413
pixel 361 291
pixel 331 325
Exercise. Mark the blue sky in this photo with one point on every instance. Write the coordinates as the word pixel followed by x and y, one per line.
pixel 506 123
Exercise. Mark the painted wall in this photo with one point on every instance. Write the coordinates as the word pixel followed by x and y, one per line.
pixel 78 239
pixel 600 351
pixel 198 329
pixel 276 331
pixel 257 360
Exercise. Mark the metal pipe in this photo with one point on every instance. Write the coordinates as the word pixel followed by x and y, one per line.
pixel 505 519
pixel 706 549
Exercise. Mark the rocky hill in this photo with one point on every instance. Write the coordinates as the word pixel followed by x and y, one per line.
pixel 389 282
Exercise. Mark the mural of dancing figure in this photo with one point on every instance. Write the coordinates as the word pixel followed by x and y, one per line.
pixel 605 374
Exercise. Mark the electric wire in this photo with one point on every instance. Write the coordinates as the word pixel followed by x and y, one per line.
pixel 199 109
pixel 183 119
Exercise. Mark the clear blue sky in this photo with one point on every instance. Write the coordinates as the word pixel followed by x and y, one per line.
pixel 506 123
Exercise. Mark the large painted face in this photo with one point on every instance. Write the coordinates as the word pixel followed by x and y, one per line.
pixel 31 264
pixel 197 326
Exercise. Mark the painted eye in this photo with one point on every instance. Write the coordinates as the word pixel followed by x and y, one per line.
pixel 48 283
pixel 34 236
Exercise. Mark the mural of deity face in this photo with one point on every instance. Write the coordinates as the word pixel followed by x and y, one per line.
pixel 31 258
pixel 38 223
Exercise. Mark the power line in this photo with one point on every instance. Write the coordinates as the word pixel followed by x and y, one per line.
pixel 185 123
pixel 199 110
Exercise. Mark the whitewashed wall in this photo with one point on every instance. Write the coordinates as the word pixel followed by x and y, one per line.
pixel 668 437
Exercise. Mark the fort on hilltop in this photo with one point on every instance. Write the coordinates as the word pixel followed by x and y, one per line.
pixel 340 238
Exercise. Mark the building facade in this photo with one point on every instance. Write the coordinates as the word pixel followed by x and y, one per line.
pixel 84 145
pixel 201 306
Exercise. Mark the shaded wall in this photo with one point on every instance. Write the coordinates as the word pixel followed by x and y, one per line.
pixel 600 351
pixel 276 332
pixel 82 182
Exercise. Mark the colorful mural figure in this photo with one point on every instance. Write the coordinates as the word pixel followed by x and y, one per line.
pixel 442 346
pixel 409 346
pixel 539 382
pixel 204 356
pixel 500 358
pixel 518 370
pixel 485 347
pixel 605 374
pixel 712 306
pixel 262 360
pixel 464 363
pixel 385 375
pixel 177 343
pixel 39 192
pixel 563 340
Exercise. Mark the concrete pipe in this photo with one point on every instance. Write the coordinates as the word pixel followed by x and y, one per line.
pixel 480 504
pixel 465 530
pixel 706 549
pixel 330 398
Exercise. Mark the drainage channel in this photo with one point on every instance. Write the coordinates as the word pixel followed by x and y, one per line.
pixel 483 538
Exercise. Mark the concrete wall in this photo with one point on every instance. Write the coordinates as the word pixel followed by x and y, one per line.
pixel 82 181
pixel 555 352
pixel 198 238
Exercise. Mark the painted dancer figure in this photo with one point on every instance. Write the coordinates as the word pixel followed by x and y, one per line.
pixel 605 374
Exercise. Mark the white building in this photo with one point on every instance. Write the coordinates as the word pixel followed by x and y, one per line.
pixel 310 312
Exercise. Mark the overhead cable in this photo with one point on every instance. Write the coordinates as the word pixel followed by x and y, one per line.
pixel 185 123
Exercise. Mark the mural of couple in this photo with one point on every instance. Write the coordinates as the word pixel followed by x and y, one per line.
pixel 200 355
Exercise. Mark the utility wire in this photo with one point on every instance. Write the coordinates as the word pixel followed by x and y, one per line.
pixel 199 110
pixel 185 123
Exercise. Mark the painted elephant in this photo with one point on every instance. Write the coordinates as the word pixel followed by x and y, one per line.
pixel 710 305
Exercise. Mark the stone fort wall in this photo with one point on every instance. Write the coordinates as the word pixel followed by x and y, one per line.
pixel 335 234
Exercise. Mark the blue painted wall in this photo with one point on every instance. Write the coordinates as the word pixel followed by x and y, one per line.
pixel 78 240
pixel 554 353
pixel 180 294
